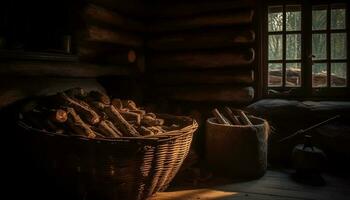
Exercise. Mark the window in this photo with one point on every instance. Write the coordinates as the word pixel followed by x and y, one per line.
pixel 306 47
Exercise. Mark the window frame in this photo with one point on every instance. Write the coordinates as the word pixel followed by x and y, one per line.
pixel 305 91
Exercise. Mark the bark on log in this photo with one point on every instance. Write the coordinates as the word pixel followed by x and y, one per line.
pixel 100 14
pixel 86 112
pixel 241 95
pixel 201 59
pixel 106 130
pixel 201 40
pixel 209 20
pixel 131 116
pixel 203 77
pixel 97 34
pixel 124 126
pixel 78 125
pixel 99 96
pixel 106 54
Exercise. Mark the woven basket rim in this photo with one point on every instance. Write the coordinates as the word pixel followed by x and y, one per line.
pixel 188 128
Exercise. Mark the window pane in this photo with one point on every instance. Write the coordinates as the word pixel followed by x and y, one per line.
pixel 338 45
pixel 275 74
pixel 319 18
pixel 275 18
pixel 319 46
pixel 275 47
pixel 338 17
pixel 319 75
pixel 293 18
pixel 338 74
pixel 293 48
pixel 293 74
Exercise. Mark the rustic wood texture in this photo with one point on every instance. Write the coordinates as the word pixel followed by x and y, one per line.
pixel 214 20
pixel 203 77
pixel 210 93
pixel 129 8
pixel 97 14
pixel 275 185
pixel 60 69
pixel 201 60
pixel 189 8
pixel 106 53
pixel 97 34
pixel 201 39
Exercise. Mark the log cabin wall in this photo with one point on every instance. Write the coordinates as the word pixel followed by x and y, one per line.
pixel 107 46
pixel 202 53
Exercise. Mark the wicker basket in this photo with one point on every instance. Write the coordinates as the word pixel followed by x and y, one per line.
pixel 238 151
pixel 123 168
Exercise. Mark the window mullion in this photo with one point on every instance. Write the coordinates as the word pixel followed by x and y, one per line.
pixel 284 49
pixel 328 46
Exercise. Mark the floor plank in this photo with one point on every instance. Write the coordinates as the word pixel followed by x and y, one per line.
pixel 275 185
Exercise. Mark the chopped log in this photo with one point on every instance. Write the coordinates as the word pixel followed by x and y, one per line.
pixel 58 116
pixel 244 118
pixel 220 118
pixel 150 121
pixel 98 107
pixel 201 60
pixel 140 112
pixel 106 54
pixel 130 104
pixel 214 20
pixel 124 126
pixel 131 116
pixel 190 8
pixel 203 77
pixel 97 34
pixel 156 130
pixel 106 130
pixel 117 103
pixel 85 111
pixel 78 125
pixel 102 15
pixel 115 129
pixel 99 97
pixel 144 131
pixel 201 39
pixel 232 116
pixel 241 95
pixel 151 115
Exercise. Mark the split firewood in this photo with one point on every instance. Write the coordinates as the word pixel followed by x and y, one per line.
pixel 244 118
pixel 78 126
pixel 151 115
pixel 144 131
pixel 77 92
pixel 139 111
pixel 156 130
pixel 117 103
pixel 232 116
pixel 115 129
pixel 98 107
pixel 150 121
pixel 131 105
pixel 106 130
pixel 131 116
pixel 85 111
pixel 99 96
pixel 219 117
pixel 124 126
pixel 58 116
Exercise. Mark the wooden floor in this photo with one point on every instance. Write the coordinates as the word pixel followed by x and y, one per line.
pixel 275 185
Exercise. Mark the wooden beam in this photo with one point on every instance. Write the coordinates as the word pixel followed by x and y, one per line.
pixel 188 8
pixel 218 93
pixel 60 69
pixel 201 60
pixel 106 53
pixel 98 14
pixel 98 34
pixel 201 39
pixel 203 77
pixel 134 8
pixel 210 20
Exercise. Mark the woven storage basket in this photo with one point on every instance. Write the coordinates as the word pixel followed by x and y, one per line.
pixel 238 151
pixel 123 168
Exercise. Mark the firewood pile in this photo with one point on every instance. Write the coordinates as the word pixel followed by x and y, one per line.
pixel 93 115
pixel 231 117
